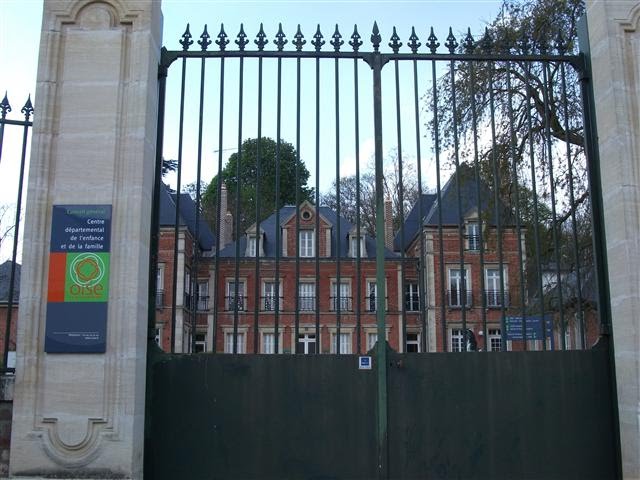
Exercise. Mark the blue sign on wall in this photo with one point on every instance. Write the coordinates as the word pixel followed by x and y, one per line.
pixel 513 326
pixel 78 289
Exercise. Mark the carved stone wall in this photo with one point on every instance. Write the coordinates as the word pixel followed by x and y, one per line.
pixel 614 34
pixel 82 415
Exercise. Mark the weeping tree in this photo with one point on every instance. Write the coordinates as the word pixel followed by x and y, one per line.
pixel 521 124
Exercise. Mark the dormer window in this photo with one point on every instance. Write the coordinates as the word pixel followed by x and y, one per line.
pixel 306 215
pixel 473 235
pixel 353 246
pixel 251 247
pixel 306 243
pixel 254 243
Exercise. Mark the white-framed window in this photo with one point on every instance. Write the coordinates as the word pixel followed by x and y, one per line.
pixel 353 246
pixel 307 296
pixel 269 296
pixel 306 242
pixel 372 338
pixel 345 342
pixel 492 287
pixel 231 301
pixel 201 342
pixel 188 298
pixel 268 343
pixel 158 336
pixel 203 294
pixel 456 340
pixel 411 297
pixel 251 246
pixel 413 342
pixel 160 277
pixel 473 235
pixel 344 299
pixel 459 288
pixel 372 296
pixel 307 343
pixel 494 340
pixel 240 342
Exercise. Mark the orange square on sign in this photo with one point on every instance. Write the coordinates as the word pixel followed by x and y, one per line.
pixel 57 267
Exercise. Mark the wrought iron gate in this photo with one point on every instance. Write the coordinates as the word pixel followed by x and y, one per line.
pixel 502 256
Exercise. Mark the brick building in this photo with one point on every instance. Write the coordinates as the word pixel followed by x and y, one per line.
pixel 5 279
pixel 189 263
pixel 464 283
pixel 319 282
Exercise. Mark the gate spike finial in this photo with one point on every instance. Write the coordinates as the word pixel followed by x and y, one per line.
pixel 298 39
pixel 414 43
pixel 486 44
pixel 27 110
pixel 468 43
pixel 395 42
pixel 261 39
pixel 451 42
pixel 355 41
pixel 281 39
pixel 222 40
pixel 336 40
pixel 241 39
pixel 318 41
pixel 432 42
pixel 204 41
pixel 375 37
pixel 4 106
pixel 186 41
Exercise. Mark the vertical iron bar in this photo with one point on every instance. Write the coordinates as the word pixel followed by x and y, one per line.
pixel 547 91
pixel 599 232
pixel 277 205
pixel 195 292
pixel 155 208
pixel 514 173
pixel 476 165
pixel 317 243
pixel 535 205
pixel 257 290
pixel 496 199
pixel 219 211
pixel 358 219
pixel 3 115
pixel 403 302
pixel 297 286
pixel 176 226
pixel 436 142
pixel 463 272
pixel 422 263
pixel 381 350
pixel 237 215
pixel 16 234
pixel 572 205
pixel 338 233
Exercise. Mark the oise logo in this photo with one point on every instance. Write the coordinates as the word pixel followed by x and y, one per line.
pixel 87 277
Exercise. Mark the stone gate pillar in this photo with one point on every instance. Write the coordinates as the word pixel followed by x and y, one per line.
pixel 614 36
pixel 82 414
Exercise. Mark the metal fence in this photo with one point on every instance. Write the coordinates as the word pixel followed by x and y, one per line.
pixel 12 171
pixel 491 182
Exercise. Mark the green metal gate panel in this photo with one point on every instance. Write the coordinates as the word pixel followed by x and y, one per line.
pixel 525 415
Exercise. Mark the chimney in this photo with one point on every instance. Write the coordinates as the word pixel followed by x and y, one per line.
pixel 228 228
pixel 388 224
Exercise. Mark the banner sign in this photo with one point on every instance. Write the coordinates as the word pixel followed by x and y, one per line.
pixel 78 289
pixel 534 327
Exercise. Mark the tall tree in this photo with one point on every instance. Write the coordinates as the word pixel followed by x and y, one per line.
pixel 392 188
pixel 242 170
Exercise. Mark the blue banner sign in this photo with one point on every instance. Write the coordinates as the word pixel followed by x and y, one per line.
pixel 514 325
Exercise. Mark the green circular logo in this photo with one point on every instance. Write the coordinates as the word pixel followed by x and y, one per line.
pixel 86 270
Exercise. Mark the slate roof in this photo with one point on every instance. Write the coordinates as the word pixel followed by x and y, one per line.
pixel 268 227
pixel 447 208
pixel 187 216
pixel 5 277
